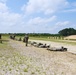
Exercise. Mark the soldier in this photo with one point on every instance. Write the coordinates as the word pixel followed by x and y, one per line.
pixel 10 36
pixel 0 36
pixel 14 37
pixel 20 39
pixel 26 39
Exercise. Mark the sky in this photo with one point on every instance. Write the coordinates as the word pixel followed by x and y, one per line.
pixel 37 16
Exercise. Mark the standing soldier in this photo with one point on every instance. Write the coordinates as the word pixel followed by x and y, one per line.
pixel 14 37
pixel 26 39
pixel 19 39
pixel 0 36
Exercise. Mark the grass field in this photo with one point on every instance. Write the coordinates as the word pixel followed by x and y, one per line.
pixel 72 42
pixel 54 40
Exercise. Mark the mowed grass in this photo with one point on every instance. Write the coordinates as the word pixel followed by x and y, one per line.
pixel 47 39
pixel 72 42
pixel 53 40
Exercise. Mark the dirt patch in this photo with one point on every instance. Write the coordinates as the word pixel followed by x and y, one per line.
pixel 73 37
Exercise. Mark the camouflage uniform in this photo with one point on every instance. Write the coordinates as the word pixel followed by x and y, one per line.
pixel 26 39
pixel 0 36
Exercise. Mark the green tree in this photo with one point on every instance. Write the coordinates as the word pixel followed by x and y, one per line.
pixel 67 32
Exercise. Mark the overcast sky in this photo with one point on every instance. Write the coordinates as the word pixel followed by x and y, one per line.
pixel 38 16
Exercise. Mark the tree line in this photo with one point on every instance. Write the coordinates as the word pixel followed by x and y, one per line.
pixel 63 32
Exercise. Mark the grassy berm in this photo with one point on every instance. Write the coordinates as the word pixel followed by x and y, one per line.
pixel 16 59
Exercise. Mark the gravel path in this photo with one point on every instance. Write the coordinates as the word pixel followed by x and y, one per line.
pixel 46 62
